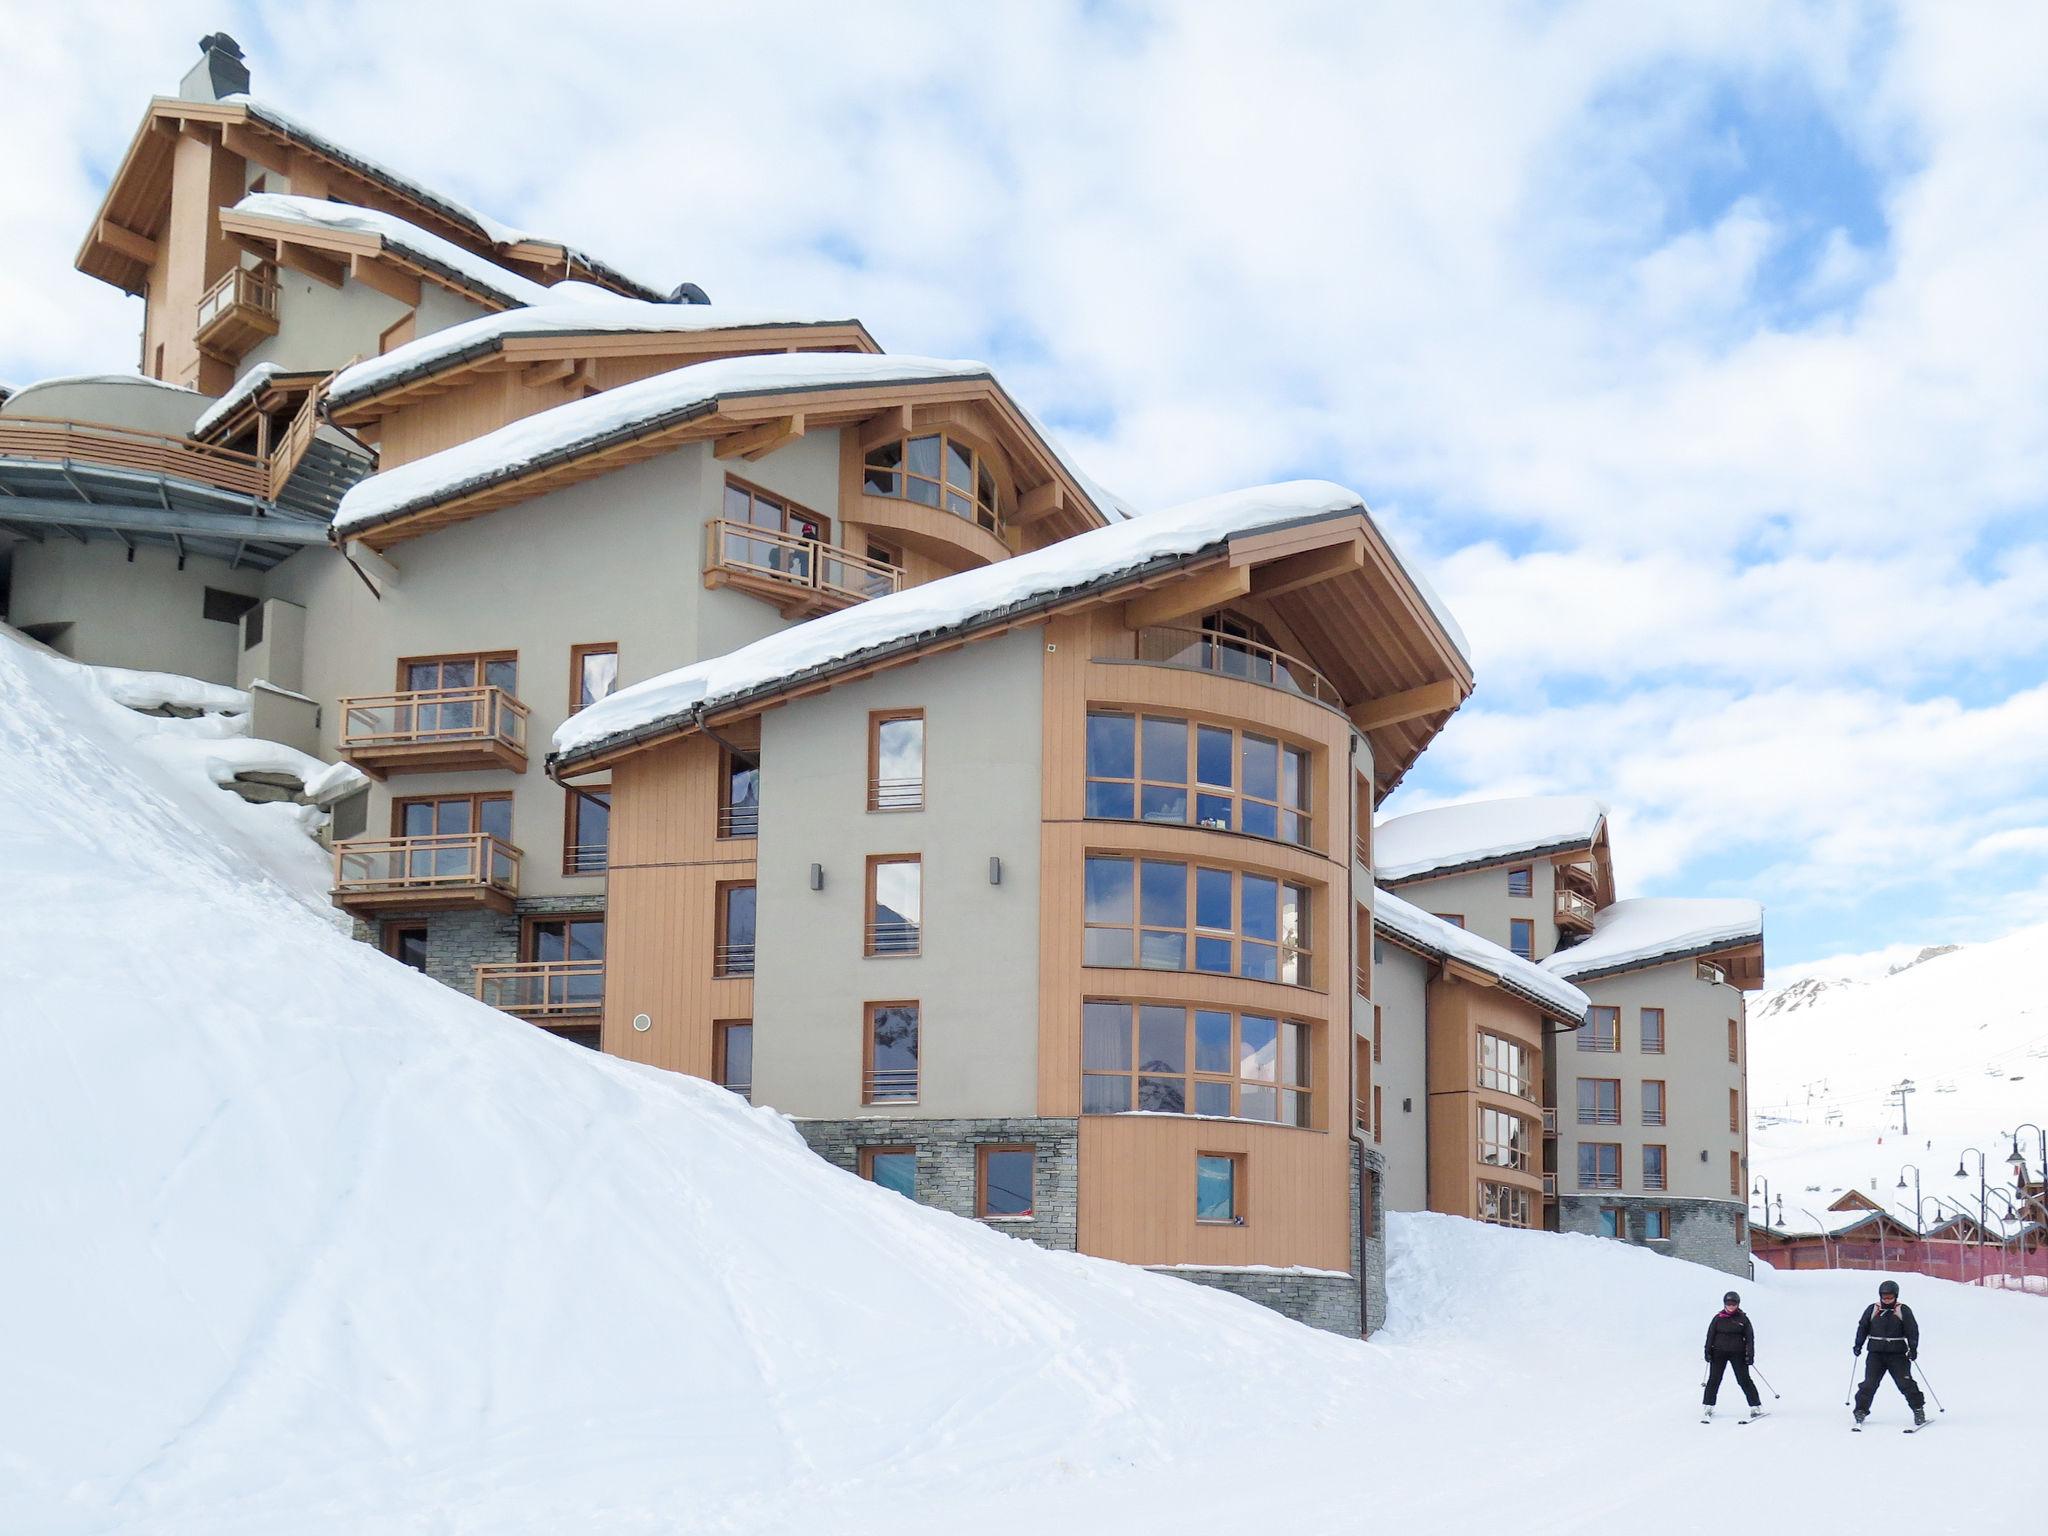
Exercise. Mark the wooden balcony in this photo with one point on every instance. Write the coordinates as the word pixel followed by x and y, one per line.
pixel 801 577
pixel 1574 911
pixel 237 312
pixel 434 730
pixel 462 869
pixel 554 993
pixel 153 453
pixel 1205 650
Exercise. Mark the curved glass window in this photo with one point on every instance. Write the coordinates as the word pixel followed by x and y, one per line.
pixel 1165 1059
pixel 936 470
pixel 1163 915
pixel 1159 768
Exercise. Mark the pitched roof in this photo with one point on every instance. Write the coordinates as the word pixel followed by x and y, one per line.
pixel 1416 929
pixel 969 600
pixel 1447 838
pixel 442 259
pixel 1652 930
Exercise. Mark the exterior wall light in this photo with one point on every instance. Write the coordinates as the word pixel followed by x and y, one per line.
pixel 817 877
pixel 642 1023
pixel 995 870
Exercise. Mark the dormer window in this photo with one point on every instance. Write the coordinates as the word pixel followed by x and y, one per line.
pixel 937 470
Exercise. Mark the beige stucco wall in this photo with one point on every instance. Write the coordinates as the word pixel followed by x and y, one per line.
pixel 146 614
pixel 141 404
pixel 1400 986
pixel 977 976
pixel 1481 897
pixel 321 327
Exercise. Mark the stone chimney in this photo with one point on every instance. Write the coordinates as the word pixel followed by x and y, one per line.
pixel 219 72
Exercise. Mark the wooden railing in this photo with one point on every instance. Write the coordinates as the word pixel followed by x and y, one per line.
pixel 1205 650
pixel 37 437
pixel 1574 908
pixel 542 989
pixel 788 560
pixel 298 437
pixel 446 861
pixel 1550 1119
pixel 242 288
pixel 432 717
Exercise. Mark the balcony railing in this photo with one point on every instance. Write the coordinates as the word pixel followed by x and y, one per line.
pixel 1550 1119
pixel 1653 1181
pixel 586 858
pixel 1653 1116
pixel 1707 971
pixel 238 311
pixel 893 939
pixel 732 960
pixel 739 820
pixel 1362 978
pixel 543 989
pixel 1574 910
pixel 798 572
pixel 904 794
pixel 1592 1037
pixel 448 869
pixel 1205 650
pixel 1599 1114
pixel 1596 1179
pixel 436 728
pixel 1550 1186
pixel 890 1085
pixel 64 442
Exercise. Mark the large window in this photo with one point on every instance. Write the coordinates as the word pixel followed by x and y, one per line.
pixel 889 1071
pixel 739 793
pixel 1162 915
pixel 791 555
pixel 449 822
pixel 1601 1031
pixel 1599 1101
pixel 734 1048
pixel 1504 1205
pixel 895 920
pixel 1653 1031
pixel 1599 1165
pixel 1503 1140
pixel 1158 768
pixel 1004 1183
pixel 896 761
pixel 587 831
pixel 938 470
pixel 1166 1059
pixel 593 673
pixel 1219 1188
pixel 1653 1168
pixel 1653 1101
pixel 1505 1066
pixel 892 1168
pixel 734 953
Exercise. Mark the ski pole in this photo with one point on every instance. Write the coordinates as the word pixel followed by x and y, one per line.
pixel 1922 1371
pixel 1760 1376
pixel 1858 1360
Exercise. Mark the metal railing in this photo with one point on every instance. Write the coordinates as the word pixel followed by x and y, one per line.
pixel 889 1085
pixel 1653 1181
pixel 732 960
pixel 242 288
pixel 904 794
pixel 793 561
pixel 432 717
pixel 586 858
pixel 542 989
pixel 60 442
pixel 1574 908
pixel 1599 1114
pixel 894 938
pixel 1653 1116
pixel 1205 650
pixel 1599 1180
pixel 739 820
pixel 1362 979
pixel 445 861
pixel 1602 1040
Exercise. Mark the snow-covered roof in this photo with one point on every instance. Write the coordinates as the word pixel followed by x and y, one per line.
pixel 247 385
pixel 140 380
pixel 1648 930
pixel 488 228
pixel 464 267
pixel 1452 837
pixel 954 602
pixel 1448 941
pixel 566 309
pixel 618 415
pixel 1804 1222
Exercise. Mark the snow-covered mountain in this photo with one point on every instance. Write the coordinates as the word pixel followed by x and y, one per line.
pixel 1809 990
pixel 298 1240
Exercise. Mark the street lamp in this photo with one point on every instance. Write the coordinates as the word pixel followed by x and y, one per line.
pixel 1983 1208
pixel 2019 1162
pixel 1819 1226
pixel 1916 1188
pixel 1763 1186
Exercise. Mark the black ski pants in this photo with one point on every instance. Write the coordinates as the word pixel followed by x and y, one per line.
pixel 1876 1368
pixel 1741 1367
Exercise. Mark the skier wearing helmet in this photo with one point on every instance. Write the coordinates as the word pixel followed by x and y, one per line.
pixel 1731 1342
pixel 1889 1328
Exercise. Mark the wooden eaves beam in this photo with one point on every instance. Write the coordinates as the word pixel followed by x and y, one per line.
pixel 317 265
pixel 1040 501
pixel 1409 704
pixel 885 427
pixel 1192 594
pixel 1311 566
pixel 760 440
pixel 120 238
pixel 373 272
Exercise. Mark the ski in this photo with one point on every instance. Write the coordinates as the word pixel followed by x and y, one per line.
pixel 1753 1418
pixel 1914 1429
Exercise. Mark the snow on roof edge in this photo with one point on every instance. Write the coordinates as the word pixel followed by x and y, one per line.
pixel 1448 940
pixel 247 385
pixel 1658 930
pixel 1469 834
pixel 428 249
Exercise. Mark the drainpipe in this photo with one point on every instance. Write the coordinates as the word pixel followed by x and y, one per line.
pixel 1358 1139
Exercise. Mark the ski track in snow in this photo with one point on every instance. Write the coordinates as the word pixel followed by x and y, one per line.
pixel 312 1244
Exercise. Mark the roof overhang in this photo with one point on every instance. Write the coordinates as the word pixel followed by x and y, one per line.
pixel 44 502
pixel 1471 975
pixel 550 350
pixel 1741 957
pixel 279 393
pixel 748 424
pixel 1555 850
pixel 329 255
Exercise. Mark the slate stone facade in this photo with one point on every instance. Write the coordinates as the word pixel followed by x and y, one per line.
pixel 1703 1231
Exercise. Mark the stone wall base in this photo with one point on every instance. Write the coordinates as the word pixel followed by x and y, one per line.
pixel 1325 1301
pixel 1701 1230
pixel 948 1159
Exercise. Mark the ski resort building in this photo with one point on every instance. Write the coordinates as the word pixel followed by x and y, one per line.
pixel 1646 1108
pixel 736 697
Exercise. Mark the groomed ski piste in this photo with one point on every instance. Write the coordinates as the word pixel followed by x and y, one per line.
pixel 298 1240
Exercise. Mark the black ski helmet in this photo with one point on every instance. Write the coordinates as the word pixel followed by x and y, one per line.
pixel 1731 1300
pixel 1889 1288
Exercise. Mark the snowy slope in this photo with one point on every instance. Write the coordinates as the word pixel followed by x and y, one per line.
pixel 1969 1029
pixel 299 1241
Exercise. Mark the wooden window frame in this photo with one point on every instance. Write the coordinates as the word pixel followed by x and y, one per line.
pixel 1532 1134
pixel 1361 948
pixel 1620 1215
pixel 1741 1229
pixel 1379 1114
pixel 1580 1172
pixel 867 1051
pixel 1193 788
pixel 409 323
pixel 1526 873
pixel 1734 1043
pixel 1509 1201
pixel 1663 1101
pixel 1378 1034
pixel 1309 1094
pixel 1191 931
pixel 982 1153
pixel 572 796
pixel 535 920
pixel 722 959
pixel 1501 1079
pixel 1589 1041
pixel 865 1161
pixel 479 659
pixel 1735 1111
pixel 1240 1189
pixel 879 803
pixel 388 932
pixel 1735 1173
pixel 996 463
pixel 576 655
pixel 884 553
pixel 1522 922
pixel 788 505
pixel 1662 1214
pixel 1362 1084
pixel 870 927
pixel 730 829
pixel 476 798
pixel 718 1056
pixel 1579 1100
pixel 1361 818
pixel 1663 1182
pixel 1660 1043
pixel 1455 919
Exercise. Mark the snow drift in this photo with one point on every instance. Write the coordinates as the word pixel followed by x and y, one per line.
pixel 299 1241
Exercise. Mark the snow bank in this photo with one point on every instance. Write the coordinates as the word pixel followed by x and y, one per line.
pixel 428 249
pixel 1450 837
pixel 1645 929
pixel 948 603
pixel 1449 940
pixel 160 690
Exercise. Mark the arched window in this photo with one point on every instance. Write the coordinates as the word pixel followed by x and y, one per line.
pixel 938 470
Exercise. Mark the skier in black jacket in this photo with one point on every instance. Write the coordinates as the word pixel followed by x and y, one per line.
pixel 1893 1335
pixel 1731 1341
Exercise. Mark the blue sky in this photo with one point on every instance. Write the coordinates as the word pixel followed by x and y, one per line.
pixel 1695 350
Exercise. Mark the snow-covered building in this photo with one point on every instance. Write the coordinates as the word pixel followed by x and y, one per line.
pixel 1646 1107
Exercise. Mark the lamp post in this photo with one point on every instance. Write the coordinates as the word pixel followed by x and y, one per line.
pixel 1916 1193
pixel 1983 1209
pixel 1763 1186
pixel 1826 1249
pixel 2019 1161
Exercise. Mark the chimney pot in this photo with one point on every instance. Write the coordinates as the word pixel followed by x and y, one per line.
pixel 220 71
